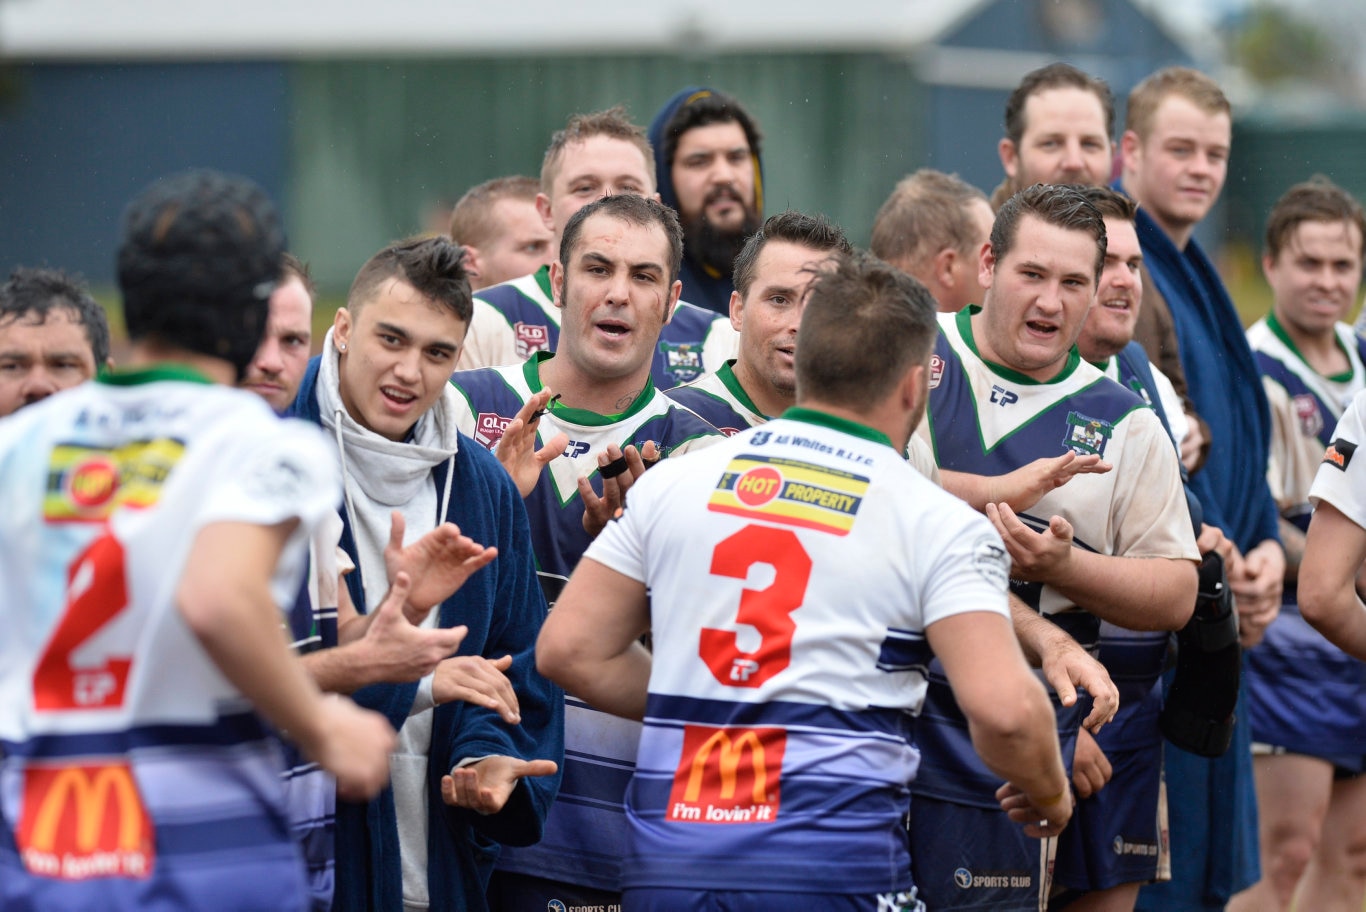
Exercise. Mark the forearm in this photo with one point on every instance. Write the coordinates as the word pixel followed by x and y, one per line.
pixel 1033 630
pixel 1339 615
pixel 239 629
pixel 618 685
pixel 1150 593
pixel 976 490
pixel 339 670
pixel 1025 751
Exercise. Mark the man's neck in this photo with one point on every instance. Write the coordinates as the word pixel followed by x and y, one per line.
pixel 1178 234
pixel 770 401
pixel 1320 350
pixel 599 396
pixel 146 353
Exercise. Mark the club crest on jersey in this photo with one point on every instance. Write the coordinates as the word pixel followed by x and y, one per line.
pixel 87 484
pixel 529 338
pixel 1308 415
pixel 1339 454
pixel 85 821
pixel 936 371
pixel 1003 397
pixel 1087 435
pixel 489 428
pixel 790 492
pixel 682 360
pixel 728 775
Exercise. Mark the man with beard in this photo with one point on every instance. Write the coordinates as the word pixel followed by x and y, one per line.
pixel 708 168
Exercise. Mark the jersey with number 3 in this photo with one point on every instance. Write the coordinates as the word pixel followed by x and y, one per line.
pixel 132 774
pixel 793 570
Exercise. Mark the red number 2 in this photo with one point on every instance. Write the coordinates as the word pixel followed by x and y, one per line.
pixel 96 591
pixel 767 610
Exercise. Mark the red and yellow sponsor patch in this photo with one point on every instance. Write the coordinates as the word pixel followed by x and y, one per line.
pixel 791 492
pixel 728 775
pixel 83 821
pixel 86 484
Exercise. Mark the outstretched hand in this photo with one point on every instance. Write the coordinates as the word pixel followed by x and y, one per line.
pixel 484 787
pixel 517 447
pixel 1027 485
pixel 1067 666
pixel 480 681
pixel 1038 557
pixel 438 564
pixel 619 470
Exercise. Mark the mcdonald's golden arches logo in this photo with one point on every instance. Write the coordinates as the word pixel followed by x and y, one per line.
pixel 728 775
pixel 85 821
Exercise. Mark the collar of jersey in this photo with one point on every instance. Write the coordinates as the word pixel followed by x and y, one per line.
pixel 531 372
pixel 964 319
pixel 152 374
pixel 1279 332
pixel 726 375
pixel 542 276
pixel 836 423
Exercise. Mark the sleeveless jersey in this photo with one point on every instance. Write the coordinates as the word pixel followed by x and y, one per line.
pixel 776 750
pixel 1304 694
pixel 585 830
pixel 130 770
pixel 988 420
pixel 517 319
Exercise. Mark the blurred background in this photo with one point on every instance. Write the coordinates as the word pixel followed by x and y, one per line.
pixel 366 120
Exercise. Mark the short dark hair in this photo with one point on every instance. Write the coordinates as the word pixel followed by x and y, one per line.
pixel 814 231
pixel 703 108
pixel 198 258
pixel 613 123
pixel 634 210
pixel 1055 76
pixel 1061 205
pixel 472 220
pixel 38 292
pixel 1315 200
pixel 927 212
pixel 291 267
pixel 865 323
pixel 1110 203
pixel 433 266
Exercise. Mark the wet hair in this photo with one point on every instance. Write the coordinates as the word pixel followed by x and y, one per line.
pixel 1055 76
pixel 1061 205
pixel 814 231
pixel 1315 200
pixel 865 323
pixel 634 210
pixel 39 292
pixel 613 123
pixel 199 257
pixel 433 266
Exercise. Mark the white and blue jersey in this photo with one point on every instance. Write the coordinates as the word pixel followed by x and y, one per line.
pixel 1304 694
pixel 777 752
pixel 988 420
pixel 720 399
pixel 515 320
pixel 131 771
pixel 585 831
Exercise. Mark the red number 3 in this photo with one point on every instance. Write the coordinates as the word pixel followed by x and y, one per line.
pixel 767 610
pixel 96 591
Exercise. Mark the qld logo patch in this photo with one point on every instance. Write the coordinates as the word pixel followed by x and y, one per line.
pixel 936 371
pixel 682 360
pixel 489 428
pixel 790 492
pixel 728 775
pixel 529 338
pixel 1339 454
pixel 87 484
pixel 1307 414
pixel 84 821
pixel 1087 435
